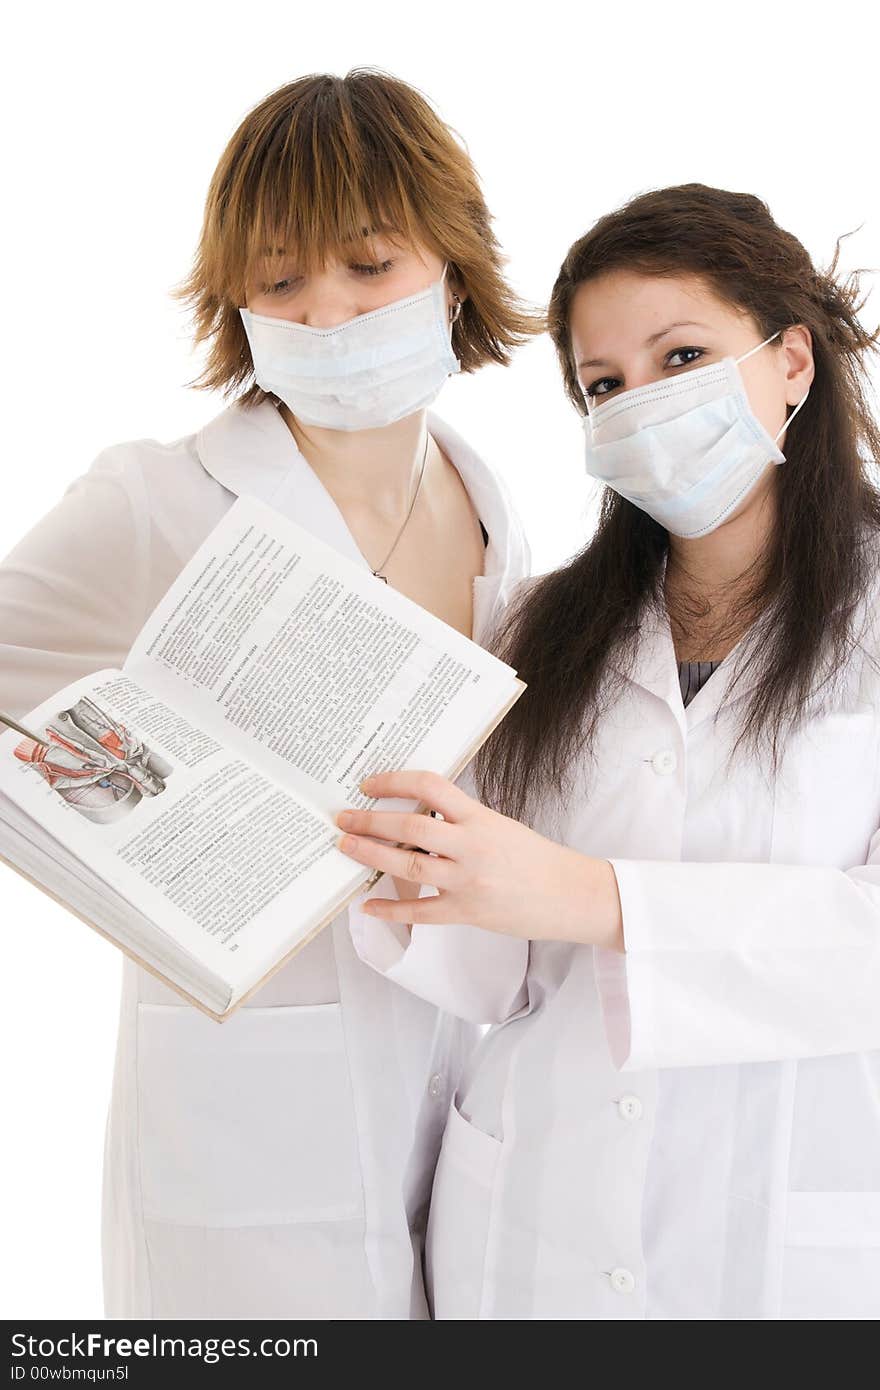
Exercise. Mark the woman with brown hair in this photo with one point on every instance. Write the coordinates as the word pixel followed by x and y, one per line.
pixel 683 1121
pixel 279 1165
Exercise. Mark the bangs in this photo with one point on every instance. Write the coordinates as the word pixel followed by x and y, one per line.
pixel 316 185
pixel 317 172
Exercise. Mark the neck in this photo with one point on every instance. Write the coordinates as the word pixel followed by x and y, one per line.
pixel 725 555
pixel 378 468
pixel 712 581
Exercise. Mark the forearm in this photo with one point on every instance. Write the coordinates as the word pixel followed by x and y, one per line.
pixel 742 962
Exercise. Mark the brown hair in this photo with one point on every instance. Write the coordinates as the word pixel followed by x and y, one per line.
pixel 310 167
pixel 804 593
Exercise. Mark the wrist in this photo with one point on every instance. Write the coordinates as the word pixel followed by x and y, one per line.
pixel 596 918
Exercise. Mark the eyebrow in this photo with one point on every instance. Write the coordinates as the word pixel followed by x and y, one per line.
pixel 649 342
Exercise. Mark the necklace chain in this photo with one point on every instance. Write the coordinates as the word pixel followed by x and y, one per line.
pixel 412 504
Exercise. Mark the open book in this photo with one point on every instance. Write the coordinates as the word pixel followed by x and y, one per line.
pixel 183 806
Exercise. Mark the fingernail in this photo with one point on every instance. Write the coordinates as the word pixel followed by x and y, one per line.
pixel 348 844
pixel 366 784
pixel 344 818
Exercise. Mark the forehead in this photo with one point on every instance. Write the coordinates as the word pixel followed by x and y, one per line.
pixel 622 308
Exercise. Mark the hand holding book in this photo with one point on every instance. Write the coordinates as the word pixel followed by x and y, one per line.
pixel 184 805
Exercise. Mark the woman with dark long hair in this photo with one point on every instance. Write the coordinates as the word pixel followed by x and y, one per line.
pixel 680 818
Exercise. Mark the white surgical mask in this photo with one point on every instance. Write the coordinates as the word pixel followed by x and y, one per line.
pixel 685 449
pixel 361 374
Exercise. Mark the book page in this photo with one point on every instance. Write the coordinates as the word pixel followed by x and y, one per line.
pixel 223 858
pixel 309 666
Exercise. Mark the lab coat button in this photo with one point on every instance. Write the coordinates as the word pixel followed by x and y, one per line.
pixel 622 1281
pixel 436 1087
pixel 664 762
pixel 629 1108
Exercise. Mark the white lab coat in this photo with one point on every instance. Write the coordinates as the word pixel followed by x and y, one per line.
pixel 279 1164
pixel 692 1129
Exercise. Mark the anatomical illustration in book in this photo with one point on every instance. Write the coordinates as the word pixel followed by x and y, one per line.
pixel 94 763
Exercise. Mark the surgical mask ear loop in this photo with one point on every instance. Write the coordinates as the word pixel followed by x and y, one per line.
pixel 758 346
pixel 785 424
pixel 454 309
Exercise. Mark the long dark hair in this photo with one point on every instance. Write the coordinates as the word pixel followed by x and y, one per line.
pixel 561 631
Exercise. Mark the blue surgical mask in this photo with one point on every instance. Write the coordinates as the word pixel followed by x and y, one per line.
pixel 362 374
pixel 685 449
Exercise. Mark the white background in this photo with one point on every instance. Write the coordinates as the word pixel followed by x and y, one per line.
pixel 113 118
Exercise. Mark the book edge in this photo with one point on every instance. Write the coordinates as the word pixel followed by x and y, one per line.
pixel 220 1017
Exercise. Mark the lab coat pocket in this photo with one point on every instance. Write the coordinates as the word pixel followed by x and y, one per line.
pixel 831 1262
pixel 460 1218
pixel 246 1123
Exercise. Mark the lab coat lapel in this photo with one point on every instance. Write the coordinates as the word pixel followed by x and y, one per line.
pixel 720 686
pixel 507 557
pixel 740 672
pixel 252 452
pixel 655 668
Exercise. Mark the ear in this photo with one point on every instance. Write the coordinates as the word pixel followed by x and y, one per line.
pixel 800 369
pixel 456 285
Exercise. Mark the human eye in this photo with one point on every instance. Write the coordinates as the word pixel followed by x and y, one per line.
pixel 602 386
pixel 281 287
pixel 373 267
pixel 691 354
